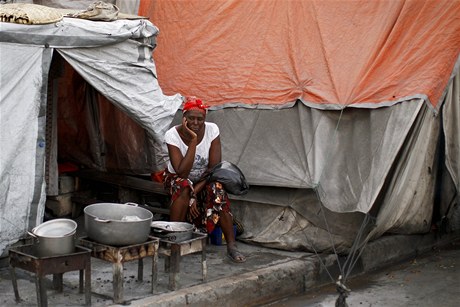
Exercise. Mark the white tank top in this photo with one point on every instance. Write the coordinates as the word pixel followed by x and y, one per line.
pixel 200 164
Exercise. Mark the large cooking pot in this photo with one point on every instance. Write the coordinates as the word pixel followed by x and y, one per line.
pixel 55 237
pixel 117 224
pixel 173 231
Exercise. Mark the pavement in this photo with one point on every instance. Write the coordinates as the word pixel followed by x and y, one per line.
pixel 431 279
pixel 267 275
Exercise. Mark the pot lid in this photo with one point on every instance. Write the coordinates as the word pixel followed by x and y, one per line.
pixel 56 228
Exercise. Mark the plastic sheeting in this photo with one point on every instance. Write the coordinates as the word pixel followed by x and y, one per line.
pixel 402 201
pixel 301 147
pixel 396 172
pixel 264 57
pixel 22 139
pixel 115 58
pixel 328 54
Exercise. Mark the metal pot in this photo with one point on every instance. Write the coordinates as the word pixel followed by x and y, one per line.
pixel 173 231
pixel 117 224
pixel 55 237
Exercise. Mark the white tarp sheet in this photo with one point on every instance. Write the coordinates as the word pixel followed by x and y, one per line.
pixel 21 115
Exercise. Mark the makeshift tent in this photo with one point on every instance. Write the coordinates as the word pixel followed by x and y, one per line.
pixel 337 112
pixel 114 59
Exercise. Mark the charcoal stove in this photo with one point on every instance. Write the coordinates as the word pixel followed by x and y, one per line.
pixel 174 252
pixel 27 257
pixel 117 255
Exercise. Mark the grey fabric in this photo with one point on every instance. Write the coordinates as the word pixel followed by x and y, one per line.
pixel 450 200
pixel 73 33
pixel 22 137
pixel 403 201
pixel 137 95
pixel 451 124
pixel 345 156
pixel 116 61
pixel 387 161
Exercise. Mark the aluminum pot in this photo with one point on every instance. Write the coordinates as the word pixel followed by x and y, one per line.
pixel 173 231
pixel 117 224
pixel 55 237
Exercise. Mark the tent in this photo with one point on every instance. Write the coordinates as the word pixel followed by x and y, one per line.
pixel 340 114
pixel 96 63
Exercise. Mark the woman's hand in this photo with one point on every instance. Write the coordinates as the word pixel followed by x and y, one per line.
pixel 189 131
pixel 193 208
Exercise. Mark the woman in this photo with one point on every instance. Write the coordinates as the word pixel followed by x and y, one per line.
pixel 194 148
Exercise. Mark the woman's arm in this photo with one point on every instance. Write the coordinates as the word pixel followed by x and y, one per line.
pixel 182 165
pixel 215 153
pixel 215 156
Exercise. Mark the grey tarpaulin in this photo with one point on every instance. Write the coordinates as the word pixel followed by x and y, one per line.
pixel 313 170
pixel 115 58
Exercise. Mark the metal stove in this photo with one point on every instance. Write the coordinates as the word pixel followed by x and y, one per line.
pixel 27 257
pixel 174 252
pixel 117 255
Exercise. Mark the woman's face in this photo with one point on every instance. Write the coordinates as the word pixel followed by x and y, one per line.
pixel 195 120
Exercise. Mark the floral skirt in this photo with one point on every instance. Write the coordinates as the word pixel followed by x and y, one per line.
pixel 211 201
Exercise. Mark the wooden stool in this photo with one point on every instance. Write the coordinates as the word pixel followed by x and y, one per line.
pixel 25 257
pixel 175 250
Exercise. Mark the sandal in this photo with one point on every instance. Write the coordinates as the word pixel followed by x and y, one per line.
pixel 235 255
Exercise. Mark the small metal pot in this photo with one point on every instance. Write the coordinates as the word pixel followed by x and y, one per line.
pixel 173 231
pixel 55 237
pixel 117 224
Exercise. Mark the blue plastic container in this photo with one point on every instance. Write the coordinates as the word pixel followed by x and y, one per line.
pixel 217 236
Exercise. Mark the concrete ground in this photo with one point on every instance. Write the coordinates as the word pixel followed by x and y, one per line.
pixel 432 279
pixel 219 268
pixel 266 276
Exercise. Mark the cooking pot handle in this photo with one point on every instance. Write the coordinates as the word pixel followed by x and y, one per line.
pixel 33 235
pixel 131 204
pixel 101 220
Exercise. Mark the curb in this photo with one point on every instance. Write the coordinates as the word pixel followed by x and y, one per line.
pixel 295 276
pixel 246 289
pixel 396 248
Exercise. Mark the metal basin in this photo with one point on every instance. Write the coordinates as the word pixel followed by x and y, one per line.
pixel 173 231
pixel 117 224
pixel 55 237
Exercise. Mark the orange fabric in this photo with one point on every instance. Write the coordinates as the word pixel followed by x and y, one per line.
pixel 325 52
pixel 145 8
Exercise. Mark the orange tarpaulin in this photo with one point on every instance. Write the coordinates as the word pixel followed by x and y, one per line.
pixel 329 54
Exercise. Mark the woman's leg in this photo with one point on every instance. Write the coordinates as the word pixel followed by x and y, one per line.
pixel 217 201
pixel 179 208
pixel 226 223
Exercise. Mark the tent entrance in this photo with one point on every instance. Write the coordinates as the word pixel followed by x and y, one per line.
pixel 94 151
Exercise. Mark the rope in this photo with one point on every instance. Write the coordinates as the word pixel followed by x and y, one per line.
pixel 330 235
pixel 355 250
pixel 358 247
pixel 318 196
pixel 311 245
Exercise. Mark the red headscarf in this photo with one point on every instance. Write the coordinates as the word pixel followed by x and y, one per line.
pixel 191 103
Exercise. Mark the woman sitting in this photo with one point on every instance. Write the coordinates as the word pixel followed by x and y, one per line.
pixel 194 148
